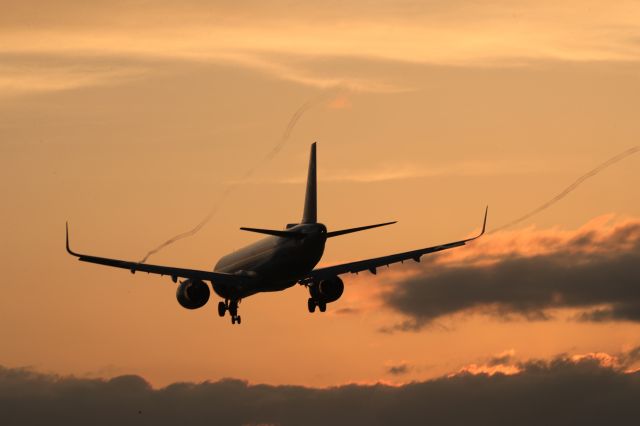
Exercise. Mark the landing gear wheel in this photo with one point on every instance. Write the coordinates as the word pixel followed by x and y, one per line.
pixel 322 306
pixel 311 305
pixel 233 308
pixel 222 309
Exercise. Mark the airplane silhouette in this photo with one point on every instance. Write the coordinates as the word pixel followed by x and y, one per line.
pixel 274 263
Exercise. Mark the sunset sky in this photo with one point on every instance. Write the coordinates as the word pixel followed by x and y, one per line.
pixel 131 119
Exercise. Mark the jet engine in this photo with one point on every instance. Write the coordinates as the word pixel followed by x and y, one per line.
pixel 327 290
pixel 192 294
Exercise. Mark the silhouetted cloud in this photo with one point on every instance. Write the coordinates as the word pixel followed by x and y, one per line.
pixel 589 389
pixel 501 358
pixel 597 272
pixel 398 369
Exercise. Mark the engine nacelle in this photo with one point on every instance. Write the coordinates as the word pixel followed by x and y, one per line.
pixel 327 290
pixel 192 294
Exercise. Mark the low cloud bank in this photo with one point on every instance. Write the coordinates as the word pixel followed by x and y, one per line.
pixel 586 389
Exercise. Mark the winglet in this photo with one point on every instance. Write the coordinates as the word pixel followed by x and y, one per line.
pixel 484 224
pixel 71 252
pixel 484 227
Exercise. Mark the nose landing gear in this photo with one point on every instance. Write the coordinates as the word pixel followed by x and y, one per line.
pixel 232 307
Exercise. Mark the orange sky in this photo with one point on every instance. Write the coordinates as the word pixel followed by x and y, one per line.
pixel 131 122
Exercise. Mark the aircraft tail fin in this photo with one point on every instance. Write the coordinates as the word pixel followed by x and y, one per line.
pixel 310 214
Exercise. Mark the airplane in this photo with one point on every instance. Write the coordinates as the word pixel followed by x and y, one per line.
pixel 275 263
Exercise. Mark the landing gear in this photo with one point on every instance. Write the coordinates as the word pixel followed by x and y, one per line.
pixel 232 307
pixel 312 303
pixel 233 310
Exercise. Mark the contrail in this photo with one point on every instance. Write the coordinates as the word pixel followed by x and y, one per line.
pixel 572 187
pixel 268 157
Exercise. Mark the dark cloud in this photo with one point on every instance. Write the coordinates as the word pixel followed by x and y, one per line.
pixel 501 359
pixel 558 392
pixel 347 311
pixel 398 369
pixel 604 283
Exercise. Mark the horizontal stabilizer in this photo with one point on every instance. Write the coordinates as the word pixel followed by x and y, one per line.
pixel 350 230
pixel 276 233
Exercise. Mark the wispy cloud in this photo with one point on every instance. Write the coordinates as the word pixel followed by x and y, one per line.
pixel 16 79
pixel 387 172
pixel 284 42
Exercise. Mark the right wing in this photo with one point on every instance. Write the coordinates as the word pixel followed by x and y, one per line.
pixel 372 264
pixel 174 273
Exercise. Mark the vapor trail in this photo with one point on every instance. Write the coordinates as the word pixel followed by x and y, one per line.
pixel 268 157
pixel 572 187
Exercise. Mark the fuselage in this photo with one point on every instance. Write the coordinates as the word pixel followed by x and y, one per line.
pixel 275 263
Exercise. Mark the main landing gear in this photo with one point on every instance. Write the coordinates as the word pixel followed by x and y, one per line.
pixel 312 303
pixel 232 307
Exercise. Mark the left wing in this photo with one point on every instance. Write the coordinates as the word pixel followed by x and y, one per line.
pixel 174 273
pixel 372 264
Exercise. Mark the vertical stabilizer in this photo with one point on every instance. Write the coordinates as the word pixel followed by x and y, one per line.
pixel 310 214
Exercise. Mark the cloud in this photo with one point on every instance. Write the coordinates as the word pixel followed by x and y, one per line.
pixel 293 42
pixel 396 172
pixel 398 369
pixel 501 358
pixel 339 102
pixel 567 389
pixel 503 363
pixel 406 31
pixel 506 363
pixel 595 269
pixel 346 311
pixel 44 75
